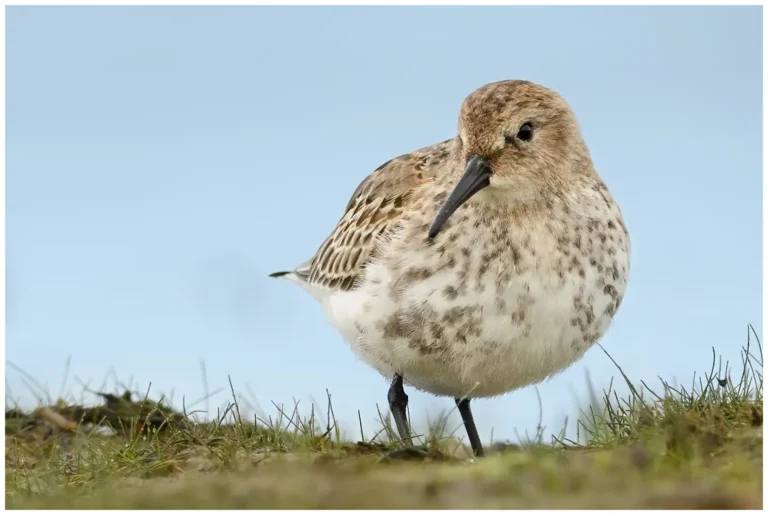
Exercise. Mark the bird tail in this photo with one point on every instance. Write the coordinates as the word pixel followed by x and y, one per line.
pixel 300 276
pixel 301 272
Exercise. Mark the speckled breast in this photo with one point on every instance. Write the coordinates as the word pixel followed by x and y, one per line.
pixel 490 307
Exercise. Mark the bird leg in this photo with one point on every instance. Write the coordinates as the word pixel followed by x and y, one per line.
pixel 469 424
pixel 398 403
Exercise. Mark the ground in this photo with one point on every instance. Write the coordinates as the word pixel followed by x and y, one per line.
pixel 672 448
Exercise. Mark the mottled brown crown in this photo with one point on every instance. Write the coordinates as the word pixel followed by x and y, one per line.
pixel 497 109
pixel 490 118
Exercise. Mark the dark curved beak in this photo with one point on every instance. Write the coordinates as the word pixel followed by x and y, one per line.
pixel 476 177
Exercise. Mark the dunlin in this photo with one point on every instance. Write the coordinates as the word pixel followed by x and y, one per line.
pixel 481 264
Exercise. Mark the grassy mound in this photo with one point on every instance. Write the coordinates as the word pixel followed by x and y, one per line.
pixel 675 448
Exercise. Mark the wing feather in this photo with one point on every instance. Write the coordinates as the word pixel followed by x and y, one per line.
pixel 374 211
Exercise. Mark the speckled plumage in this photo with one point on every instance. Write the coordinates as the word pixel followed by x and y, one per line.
pixel 520 281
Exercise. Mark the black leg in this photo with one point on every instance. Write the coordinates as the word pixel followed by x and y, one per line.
pixel 469 424
pixel 398 403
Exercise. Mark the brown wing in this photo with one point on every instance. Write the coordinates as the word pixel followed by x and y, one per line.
pixel 374 210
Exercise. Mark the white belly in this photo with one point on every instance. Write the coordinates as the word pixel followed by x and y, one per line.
pixel 481 327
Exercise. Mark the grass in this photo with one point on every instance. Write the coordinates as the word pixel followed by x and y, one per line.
pixel 672 447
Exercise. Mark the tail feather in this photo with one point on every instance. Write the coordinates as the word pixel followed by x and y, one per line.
pixel 301 271
pixel 300 275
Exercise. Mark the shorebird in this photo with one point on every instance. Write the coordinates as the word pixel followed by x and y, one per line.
pixel 479 265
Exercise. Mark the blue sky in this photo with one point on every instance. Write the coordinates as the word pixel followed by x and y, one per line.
pixel 162 161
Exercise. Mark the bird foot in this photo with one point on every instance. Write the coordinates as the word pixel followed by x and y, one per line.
pixel 410 453
pixel 414 453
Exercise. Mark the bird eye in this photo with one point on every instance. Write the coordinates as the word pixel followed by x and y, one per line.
pixel 526 132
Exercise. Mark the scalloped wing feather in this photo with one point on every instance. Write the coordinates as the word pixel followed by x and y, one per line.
pixel 373 213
